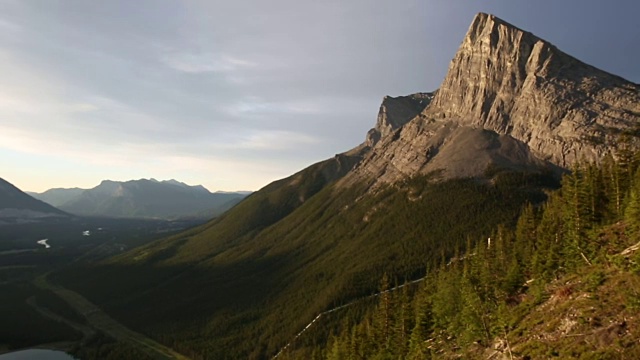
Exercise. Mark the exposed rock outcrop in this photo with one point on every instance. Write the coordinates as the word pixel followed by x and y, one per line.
pixel 395 112
pixel 510 99
pixel 512 82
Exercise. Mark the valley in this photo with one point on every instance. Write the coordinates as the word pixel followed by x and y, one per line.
pixel 41 314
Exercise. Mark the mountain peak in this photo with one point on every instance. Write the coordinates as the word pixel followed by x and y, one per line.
pixel 510 99
pixel 175 182
pixel 512 82
pixel 488 24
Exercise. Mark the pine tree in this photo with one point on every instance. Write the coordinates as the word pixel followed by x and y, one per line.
pixel 514 279
pixel 423 323
pixel 382 320
pixel 549 257
pixel 402 324
pixel 577 213
pixel 355 342
pixel 447 303
pixel 336 352
pixel 526 233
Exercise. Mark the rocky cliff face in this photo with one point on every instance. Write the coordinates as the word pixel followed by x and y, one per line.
pixel 512 82
pixel 395 112
pixel 510 99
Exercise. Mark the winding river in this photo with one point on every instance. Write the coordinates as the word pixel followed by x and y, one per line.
pixel 44 243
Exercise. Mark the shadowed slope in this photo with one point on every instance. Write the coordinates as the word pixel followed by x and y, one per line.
pixel 15 203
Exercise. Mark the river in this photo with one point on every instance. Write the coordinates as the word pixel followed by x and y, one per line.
pixel 36 354
pixel 44 242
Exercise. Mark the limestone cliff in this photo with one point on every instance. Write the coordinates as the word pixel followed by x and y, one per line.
pixel 512 82
pixel 395 112
pixel 509 99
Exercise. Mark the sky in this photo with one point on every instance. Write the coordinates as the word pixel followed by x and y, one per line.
pixel 236 94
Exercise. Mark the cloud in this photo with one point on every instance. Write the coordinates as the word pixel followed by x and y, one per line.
pixel 255 106
pixel 275 140
pixel 9 26
pixel 204 63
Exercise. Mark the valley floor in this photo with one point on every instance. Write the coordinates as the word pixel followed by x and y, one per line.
pixel 101 322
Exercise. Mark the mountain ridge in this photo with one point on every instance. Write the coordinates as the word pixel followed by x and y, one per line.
pixel 16 204
pixel 142 198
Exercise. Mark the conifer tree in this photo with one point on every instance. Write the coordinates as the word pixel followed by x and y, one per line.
pixel 402 326
pixel 576 200
pixel 382 321
pixel 423 322
pixel 336 351
pixel 526 233
pixel 446 303
pixel 549 257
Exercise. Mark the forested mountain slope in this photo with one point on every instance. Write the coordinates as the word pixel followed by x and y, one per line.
pixel 426 182
pixel 564 283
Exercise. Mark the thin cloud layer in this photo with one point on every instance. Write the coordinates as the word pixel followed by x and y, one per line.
pixel 234 95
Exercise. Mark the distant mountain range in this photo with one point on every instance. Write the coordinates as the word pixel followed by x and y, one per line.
pixel 144 198
pixel 15 204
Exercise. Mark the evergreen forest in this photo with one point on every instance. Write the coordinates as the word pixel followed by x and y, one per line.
pixel 563 282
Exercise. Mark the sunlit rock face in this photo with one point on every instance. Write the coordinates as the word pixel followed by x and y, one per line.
pixel 509 100
pixel 512 82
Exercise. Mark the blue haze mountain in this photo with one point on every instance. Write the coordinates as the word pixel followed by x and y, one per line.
pixel 142 199
pixel 57 196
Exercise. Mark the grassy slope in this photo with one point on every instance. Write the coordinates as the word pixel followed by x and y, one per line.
pixel 592 314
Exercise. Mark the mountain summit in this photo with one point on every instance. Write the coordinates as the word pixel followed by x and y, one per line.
pixel 510 100
pixel 512 82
